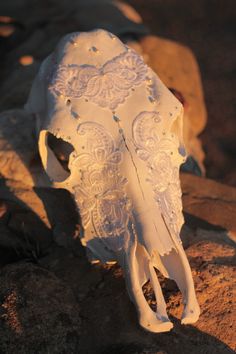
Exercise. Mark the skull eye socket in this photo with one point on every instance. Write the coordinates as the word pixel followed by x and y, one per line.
pixel 62 150
pixel 55 153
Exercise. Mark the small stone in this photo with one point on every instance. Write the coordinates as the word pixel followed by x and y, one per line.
pixel 26 60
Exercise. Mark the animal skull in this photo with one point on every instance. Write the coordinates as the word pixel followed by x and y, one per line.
pixel 124 130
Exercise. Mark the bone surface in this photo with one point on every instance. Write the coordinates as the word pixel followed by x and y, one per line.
pixel 120 132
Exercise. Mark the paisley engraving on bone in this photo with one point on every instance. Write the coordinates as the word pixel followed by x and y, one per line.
pixel 157 151
pixel 124 128
pixel 100 195
pixel 107 86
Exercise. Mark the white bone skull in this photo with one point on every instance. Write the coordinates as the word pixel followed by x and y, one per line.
pixel 125 128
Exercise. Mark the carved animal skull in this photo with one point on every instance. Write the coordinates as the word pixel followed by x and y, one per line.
pixel 124 132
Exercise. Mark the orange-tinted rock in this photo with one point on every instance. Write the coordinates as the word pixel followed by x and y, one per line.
pixel 210 201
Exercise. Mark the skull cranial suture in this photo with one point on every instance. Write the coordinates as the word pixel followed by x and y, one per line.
pixel 124 132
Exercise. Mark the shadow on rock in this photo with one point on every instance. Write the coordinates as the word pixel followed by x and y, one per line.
pixel 38 312
pixel 23 234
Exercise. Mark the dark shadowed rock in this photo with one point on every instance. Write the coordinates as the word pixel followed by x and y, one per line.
pixel 38 312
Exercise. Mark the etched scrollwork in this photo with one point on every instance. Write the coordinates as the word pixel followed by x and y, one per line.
pixel 156 151
pixel 107 86
pixel 101 196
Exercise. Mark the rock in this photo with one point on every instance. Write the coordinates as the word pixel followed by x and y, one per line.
pixel 38 312
pixel 24 228
pixel 109 15
pixel 132 349
pixel 209 201
pixel 15 87
pixel 18 147
pixel 34 218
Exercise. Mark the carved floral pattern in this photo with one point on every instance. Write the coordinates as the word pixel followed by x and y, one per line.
pixel 107 86
pixel 101 196
pixel 163 175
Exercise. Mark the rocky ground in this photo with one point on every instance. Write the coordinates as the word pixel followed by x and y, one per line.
pixel 51 299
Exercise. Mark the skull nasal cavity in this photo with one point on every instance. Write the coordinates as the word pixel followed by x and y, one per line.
pixel 61 148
